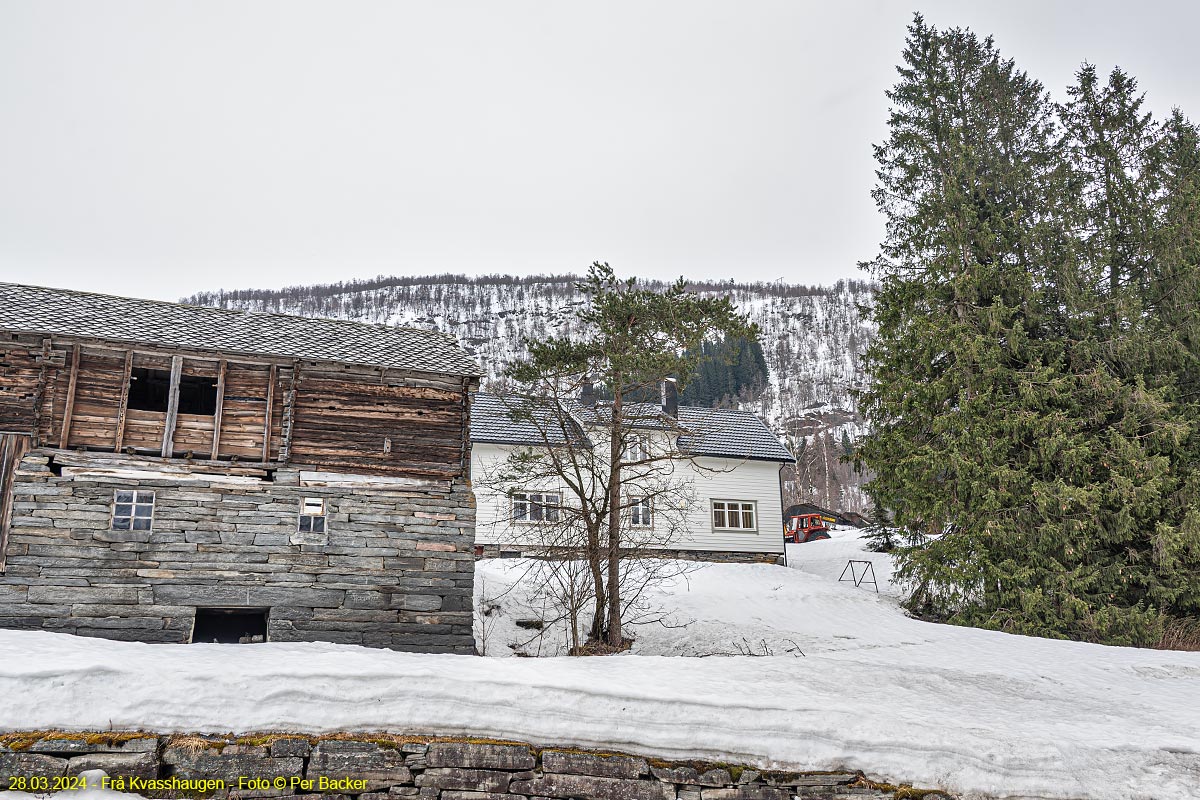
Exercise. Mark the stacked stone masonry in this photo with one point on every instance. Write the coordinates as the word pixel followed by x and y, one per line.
pixel 393 568
pixel 388 767
pixel 714 556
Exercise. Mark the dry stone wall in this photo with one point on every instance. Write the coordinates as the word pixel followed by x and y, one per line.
pixel 393 767
pixel 394 567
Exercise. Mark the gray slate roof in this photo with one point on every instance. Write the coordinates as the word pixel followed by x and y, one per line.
pixel 730 433
pixel 504 421
pixel 33 309
pixel 720 432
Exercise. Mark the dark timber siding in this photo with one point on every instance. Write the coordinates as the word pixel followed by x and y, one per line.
pixel 410 425
pixel 337 416
pixel 20 382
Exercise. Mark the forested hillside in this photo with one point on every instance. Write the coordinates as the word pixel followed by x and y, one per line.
pixel 811 337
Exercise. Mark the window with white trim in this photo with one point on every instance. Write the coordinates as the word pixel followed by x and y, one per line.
pixel 312 515
pixel 536 506
pixel 641 513
pixel 638 449
pixel 734 515
pixel 132 510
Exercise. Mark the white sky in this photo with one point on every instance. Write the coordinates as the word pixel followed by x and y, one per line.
pixel 156 148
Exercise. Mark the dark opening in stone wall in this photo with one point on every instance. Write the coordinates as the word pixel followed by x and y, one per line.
pixel 230 625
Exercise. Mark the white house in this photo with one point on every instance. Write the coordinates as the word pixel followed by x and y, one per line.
pixel 733 509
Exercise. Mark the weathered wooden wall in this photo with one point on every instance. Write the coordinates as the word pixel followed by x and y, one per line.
pixel 359 420
pixel 21 383
pixel 74 395
pixel 13 447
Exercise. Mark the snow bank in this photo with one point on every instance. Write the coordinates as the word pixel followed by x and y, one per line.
pixel 972 711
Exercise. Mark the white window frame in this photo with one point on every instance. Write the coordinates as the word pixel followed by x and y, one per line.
pixel 544 505
pixel 738 507
pixel 315 512
pixel 641 512
pixel 638 449
pixel 135 500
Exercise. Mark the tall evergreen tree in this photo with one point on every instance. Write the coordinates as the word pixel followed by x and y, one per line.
pixel 1110 141
pixel 1173 297
pixel 963 179
pixel 1007 429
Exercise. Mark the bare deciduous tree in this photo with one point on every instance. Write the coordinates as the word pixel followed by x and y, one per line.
pixel 622 461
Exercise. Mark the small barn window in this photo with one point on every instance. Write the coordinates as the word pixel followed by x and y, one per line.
pixel 312 515
pixel 132 510
pixel 150 390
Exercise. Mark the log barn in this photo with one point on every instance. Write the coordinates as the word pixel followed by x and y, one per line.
pixel 172 473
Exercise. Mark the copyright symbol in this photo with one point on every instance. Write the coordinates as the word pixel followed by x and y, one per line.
pixel 280 782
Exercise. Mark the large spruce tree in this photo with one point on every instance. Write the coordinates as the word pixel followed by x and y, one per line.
pixel 1173 316
pixel 1016 436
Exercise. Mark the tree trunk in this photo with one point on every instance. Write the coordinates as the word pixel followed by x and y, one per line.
pixel 614 520
pixel 596 564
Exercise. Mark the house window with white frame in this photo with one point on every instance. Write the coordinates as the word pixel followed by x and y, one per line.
pixel 312 515
pixel 535 506
pixel 638 449
pixel 641 513
pixel 132 510
pixel 734 515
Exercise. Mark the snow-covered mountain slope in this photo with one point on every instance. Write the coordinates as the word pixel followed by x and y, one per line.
pixel 811 337
pixel 980 713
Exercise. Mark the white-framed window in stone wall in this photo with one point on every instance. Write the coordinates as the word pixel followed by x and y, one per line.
pixel 312 515
pixel 535 506
pixel 734 515
pixel 133 510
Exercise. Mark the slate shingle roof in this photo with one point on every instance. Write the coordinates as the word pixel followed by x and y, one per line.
pixel 730 433
pixel 720 432
pixel 34 309
pixel 498 421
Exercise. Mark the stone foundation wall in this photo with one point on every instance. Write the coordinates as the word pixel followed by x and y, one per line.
pixel 394 567
pixel 718 556
pixel 393 767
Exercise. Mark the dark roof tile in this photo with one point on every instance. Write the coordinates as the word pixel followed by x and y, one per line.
pixel 33 309
pixel 721 432
pixel 498 420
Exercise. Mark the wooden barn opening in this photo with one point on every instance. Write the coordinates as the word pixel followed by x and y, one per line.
pixel 230 625
pixel 150 390
pixel 197 395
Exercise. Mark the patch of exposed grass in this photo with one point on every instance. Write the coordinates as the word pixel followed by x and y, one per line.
pixel 23 740
pixel 898 792
pixel 1180 633
pixel 198 744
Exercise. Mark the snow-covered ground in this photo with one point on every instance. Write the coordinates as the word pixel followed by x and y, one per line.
pixel 976 712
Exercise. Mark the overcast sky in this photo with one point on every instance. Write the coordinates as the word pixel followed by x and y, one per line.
pixel 157 148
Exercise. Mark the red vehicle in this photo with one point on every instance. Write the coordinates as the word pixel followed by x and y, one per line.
pixel 802 528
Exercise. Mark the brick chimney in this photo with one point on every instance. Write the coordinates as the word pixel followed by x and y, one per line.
pixel 587 395
pixel 670 398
